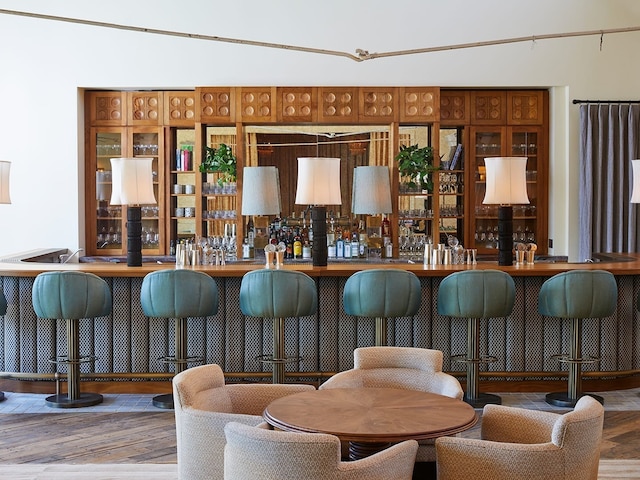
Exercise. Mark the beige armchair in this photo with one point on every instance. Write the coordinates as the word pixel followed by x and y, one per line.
pixel 400 367
pixel 519 444
pixel 261 454
pixel 204 405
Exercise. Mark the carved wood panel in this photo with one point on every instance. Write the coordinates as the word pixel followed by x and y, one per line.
pixel 106 108
pixel 179 109
pixel 454 107
pixel 216 105
pixel 338 104
pixel 488 107
pixel 525 107
pixel 145 108
pixel 256 104
pixel 297 104
pixel 378 104
pixel 419 104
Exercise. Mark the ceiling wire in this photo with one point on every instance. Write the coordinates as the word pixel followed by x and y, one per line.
pixel 360 55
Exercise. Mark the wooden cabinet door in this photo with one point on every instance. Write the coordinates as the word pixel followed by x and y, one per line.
pixel 145 108
pixel 488 107
pixel 525 107
pixel 105 108
pixel 180 109
pixel 454 107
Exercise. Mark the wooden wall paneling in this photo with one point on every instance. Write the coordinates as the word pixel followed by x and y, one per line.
pixel 419 104
pixel 145 108
pixel 488 107
pixel 525 107
pixel 180 109
pixel 256 104
pixel 338 105
pixel 378 105
pixel 216 105
pixel 106 108
pixel 296 104
pixel 454 107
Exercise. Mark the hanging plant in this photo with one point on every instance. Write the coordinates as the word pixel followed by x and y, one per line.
pixel 220 160
pixel 415 166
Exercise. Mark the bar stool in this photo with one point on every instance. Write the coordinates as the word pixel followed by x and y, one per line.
pixel 382 293
pixel 577 295
pixel 178 294
pixel 476 295
pixel 71 296
pixel 278 294
pixel 3 310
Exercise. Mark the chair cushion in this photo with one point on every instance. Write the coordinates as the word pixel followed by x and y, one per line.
pixel 382 293
pixel 70 295
pixel 179 294
pixel 277 294
pixel 579 294
pixel 477 294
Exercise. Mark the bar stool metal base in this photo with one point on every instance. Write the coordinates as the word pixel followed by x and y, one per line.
pixel 163 401
pixel 483 399
pixel 63 401
pixel 562 399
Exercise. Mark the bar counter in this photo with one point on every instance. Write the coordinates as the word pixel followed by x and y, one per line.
pixel 127 344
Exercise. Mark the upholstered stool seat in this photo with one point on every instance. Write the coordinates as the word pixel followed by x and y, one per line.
pixel 382 293
pixel 71 296
pixel 178 294
pixel 278 294
pixel 476 295
pixel 577 295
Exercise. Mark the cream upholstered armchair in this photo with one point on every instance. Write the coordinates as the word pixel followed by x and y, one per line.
pixel 204 405
pixel 519 444
pixel 261 454
pixel 408 368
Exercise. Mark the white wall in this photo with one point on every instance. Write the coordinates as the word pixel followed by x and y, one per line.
pixel 43 63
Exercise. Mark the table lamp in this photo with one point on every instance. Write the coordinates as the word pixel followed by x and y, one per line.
pixel 506 185
pixel 132 185
pixel 371 192
pixel 318 186
pixel 260 191
pixel 5 167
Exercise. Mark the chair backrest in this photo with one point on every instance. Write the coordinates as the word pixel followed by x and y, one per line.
pixel 477 294
pixel 397 357
pixel 70 295
pixel 179 294
pixel 271 293
pixel 579 294
pixel 579 434
pixel 381 292
pixel 3 304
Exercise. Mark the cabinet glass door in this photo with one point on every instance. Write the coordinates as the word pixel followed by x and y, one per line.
pixel 147 144
pixel 451 204
pixel 109 218
pixel 524 143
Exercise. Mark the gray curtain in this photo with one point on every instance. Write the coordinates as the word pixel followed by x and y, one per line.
pixel 609 140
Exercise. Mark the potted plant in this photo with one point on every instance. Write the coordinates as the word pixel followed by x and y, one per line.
pixel 415 166
pixel 221 160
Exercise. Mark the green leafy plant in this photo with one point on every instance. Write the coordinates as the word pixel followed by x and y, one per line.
pixel 415 166
pixel 220 160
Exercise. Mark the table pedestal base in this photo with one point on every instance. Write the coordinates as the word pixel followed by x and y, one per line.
pixel 359 450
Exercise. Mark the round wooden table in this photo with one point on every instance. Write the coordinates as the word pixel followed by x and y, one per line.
pixel 371 419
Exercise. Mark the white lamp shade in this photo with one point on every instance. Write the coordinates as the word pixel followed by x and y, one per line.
pixel 260 191
pixel 371 191
pixel 132 181
pixel 635 192
pixel 506 181
pixel 318 181
pixel 5 167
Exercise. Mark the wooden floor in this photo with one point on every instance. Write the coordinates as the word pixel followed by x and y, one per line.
pixel 140 437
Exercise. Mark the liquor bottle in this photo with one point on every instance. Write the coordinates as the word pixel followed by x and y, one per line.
pixel 339 247
pixel 364 239
pixel 297 246
pixel 251 233
pixel 331 232
pixel 306 250
pixel 355 242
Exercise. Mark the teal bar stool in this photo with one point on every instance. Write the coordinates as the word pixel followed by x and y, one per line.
pixel 3 310
pixel 178 295
pixel 382 293
pixel 71 296
pixel 476 295
pixel 278 294
pixel 577 295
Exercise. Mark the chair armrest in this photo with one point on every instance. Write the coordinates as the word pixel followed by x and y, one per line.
pixel 472 459
pixel 394 462
pixel 252 399
pixel 346 379
pixel 449 385
pixel 517 425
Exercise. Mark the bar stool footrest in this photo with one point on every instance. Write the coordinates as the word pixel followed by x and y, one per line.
pixel 483 359
pixel 174 360
pixel 270 359
pixel 564 358
pixel 64 360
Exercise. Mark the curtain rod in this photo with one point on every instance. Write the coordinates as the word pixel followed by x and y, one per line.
pixel 605 101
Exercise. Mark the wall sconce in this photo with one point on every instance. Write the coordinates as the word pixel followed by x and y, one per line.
pixel 506 185
pixel 318 186
pixel 132 185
